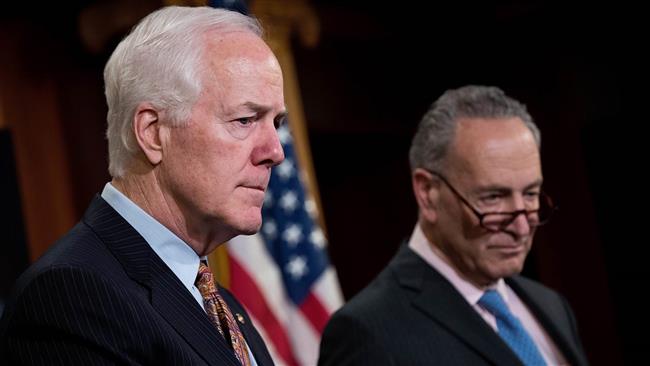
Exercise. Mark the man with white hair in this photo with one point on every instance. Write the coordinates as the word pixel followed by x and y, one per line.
pixel 195 97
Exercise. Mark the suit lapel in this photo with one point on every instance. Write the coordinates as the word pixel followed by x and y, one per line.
pixel 256 345
pixel 168 295
pixel 560 335
pixel 440 301
pixel 253 339
pixel 180 309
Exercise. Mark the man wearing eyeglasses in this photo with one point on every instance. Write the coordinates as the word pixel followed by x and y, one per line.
pixel 453 295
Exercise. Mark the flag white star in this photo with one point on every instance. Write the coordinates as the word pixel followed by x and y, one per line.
pixel 297 267
pixel 270 228
pixel 284 135
pixel 292 235
pixel 310 207
pixel 289 201
pixel 286 169
pixel 318 238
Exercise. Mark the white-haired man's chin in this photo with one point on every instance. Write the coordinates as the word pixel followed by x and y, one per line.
pixel 249 224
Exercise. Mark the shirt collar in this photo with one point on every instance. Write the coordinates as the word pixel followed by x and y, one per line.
pixel 422 247
pixel 176 254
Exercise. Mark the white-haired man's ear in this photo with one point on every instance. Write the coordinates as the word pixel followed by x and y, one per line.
pixel 147 129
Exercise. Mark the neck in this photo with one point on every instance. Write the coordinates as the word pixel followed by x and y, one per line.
pixel 146 191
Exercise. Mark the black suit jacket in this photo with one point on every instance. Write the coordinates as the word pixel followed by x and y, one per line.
pixel 411 315
pixel 101 295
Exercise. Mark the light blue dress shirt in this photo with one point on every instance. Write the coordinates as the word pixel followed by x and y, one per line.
pixel 176 254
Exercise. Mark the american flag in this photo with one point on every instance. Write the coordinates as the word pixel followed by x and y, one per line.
pixel 282 274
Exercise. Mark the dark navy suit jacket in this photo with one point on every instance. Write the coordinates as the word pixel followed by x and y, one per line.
pixel 101 296
pixel 411 315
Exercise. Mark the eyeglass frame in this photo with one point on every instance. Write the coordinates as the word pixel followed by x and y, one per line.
pixel 514 214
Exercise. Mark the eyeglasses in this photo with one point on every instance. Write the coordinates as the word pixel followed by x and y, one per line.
pixel 499 221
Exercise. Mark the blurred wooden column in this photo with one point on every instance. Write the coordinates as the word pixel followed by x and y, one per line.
pixel 30 109
pixel 28 100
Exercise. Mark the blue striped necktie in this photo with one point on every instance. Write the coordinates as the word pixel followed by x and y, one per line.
pixel 511 330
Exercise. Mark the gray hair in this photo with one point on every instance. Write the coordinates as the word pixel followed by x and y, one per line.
pixel 160 62
pixel 437 128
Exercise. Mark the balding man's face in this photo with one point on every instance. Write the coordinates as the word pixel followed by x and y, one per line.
pixel 495 165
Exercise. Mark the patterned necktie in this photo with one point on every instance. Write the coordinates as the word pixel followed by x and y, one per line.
pixel 511 330
pixel 220 314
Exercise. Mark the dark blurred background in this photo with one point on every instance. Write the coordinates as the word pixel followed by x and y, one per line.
pixel 580 69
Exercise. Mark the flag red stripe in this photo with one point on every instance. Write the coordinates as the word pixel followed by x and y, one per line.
pixel 246 290
pixel 315 312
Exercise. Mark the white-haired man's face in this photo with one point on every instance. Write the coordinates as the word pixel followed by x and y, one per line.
pixel 217 167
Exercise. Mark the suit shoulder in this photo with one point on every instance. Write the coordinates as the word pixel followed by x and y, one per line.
pixel 542 299
pixel 373 302
pixel 358 333
pixel 77 259
pixel 534 289
pixel 58 282
pixel 79 246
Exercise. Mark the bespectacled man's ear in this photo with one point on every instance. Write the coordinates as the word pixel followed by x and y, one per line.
pixel 426 189
pixel 147 130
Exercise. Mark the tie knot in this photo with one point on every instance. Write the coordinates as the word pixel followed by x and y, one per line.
pixel 493 302
pixel 205 280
